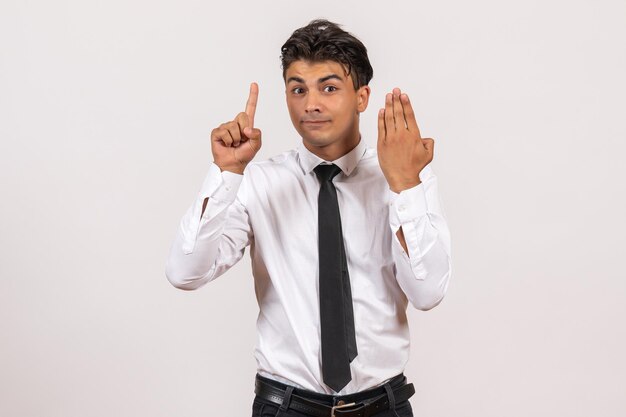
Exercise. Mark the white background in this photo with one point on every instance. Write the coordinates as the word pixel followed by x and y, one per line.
pixel 105 112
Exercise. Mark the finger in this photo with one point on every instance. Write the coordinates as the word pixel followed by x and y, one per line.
pixel 381 125
pixel 251 103
pixel 389 123
pixel 252 133
pixel 429 144
pixel 243 121
pixel 255 137
pixel 398 115
pixel 233 131
pixel 409 114
pixel 221 135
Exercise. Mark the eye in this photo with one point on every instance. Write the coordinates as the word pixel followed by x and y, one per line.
pixel 297 90
pixel 330 88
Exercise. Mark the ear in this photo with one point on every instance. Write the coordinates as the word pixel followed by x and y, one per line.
pixel 363 98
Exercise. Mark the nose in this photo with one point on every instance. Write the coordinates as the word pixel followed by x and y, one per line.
pixel 312 102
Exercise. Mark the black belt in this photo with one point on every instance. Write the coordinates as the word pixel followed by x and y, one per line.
pixel 352 405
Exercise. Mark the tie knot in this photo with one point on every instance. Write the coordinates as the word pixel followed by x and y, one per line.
pixel 326 172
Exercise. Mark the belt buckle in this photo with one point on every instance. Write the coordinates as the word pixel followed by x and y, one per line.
pixel 337 407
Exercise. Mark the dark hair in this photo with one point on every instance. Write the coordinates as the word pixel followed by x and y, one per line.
pixel 322 40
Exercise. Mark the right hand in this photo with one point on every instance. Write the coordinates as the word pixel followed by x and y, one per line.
pixel 235 143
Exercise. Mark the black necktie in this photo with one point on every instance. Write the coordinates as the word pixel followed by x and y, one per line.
pixel 336 314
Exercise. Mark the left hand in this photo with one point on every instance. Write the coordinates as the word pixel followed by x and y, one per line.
pixel 402 152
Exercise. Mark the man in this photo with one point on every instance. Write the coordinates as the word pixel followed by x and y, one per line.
pixel 341 236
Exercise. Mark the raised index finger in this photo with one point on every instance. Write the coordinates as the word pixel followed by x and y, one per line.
pixel 251 103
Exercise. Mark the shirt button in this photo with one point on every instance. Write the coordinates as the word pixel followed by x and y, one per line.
pixel 227 188
pixel 341 402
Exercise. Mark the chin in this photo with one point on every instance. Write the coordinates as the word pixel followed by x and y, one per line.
pixel 314 138
pixel 317 141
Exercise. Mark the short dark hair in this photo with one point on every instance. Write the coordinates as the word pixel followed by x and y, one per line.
pixel 322 40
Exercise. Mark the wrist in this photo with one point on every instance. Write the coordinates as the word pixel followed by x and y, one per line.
pixel 401 185
pixel 403 179
pixel 235 169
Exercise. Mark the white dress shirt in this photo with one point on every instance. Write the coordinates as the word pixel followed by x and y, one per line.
pixel 273 208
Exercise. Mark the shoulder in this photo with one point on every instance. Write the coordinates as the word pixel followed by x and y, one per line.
pixel 278 162
pixel 272 171
pixel 370 159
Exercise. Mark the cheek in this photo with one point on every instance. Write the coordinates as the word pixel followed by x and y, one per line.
pixel 344 109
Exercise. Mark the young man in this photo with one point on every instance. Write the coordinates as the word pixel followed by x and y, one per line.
pixel 341 236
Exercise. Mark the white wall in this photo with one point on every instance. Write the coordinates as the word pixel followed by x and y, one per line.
pixel 105 112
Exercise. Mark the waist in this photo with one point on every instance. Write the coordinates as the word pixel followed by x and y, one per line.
pixel 290 359
pixel 329 399
pixel 368 402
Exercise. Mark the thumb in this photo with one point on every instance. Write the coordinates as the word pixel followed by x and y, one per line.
pixel 429 144
pixel 252 133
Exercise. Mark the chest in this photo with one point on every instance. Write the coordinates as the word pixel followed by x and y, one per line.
pixel 283 211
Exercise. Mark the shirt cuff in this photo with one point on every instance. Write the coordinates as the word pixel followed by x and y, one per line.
pixel 220 185
pixel 407 206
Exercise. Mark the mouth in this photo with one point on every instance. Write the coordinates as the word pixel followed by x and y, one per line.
pixel 314 122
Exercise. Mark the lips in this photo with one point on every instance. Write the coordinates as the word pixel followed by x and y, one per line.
pixel 314 122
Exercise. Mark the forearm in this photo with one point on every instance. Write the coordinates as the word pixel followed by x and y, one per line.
pixel 194 251
pixel 402 240
pixel 421 244
pixel 423 264
pixel 199 242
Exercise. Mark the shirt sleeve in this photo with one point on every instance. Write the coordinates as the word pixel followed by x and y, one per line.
pixel 424 273
pixel 208 243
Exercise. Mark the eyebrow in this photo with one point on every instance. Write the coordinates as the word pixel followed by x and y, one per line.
pixel 321 80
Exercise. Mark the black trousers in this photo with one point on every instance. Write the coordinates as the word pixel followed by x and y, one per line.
pixel 264 408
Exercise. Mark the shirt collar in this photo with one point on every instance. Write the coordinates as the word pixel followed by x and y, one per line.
pixel 308 160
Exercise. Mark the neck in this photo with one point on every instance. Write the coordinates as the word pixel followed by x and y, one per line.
pixel 334 151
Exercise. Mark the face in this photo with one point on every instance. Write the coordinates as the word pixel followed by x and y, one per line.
pixel 324 106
